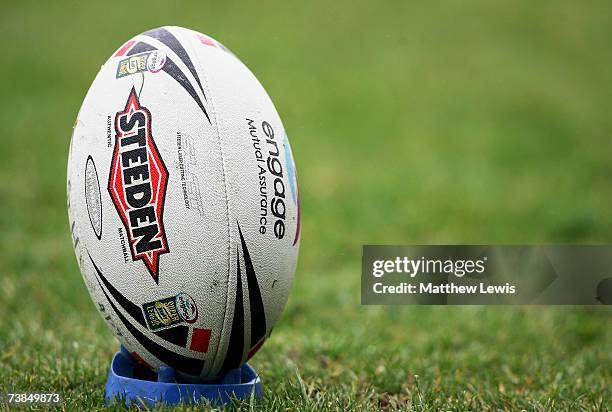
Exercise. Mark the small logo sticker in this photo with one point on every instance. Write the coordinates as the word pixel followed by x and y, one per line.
pixel 170 311
pixel 187 308
pixel 152 61
pixel 161 313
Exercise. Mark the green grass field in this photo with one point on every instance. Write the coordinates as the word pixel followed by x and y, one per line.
pixel 459 122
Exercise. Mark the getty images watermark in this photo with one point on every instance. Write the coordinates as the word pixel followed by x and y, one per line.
pixel 476 275
pixel 424 266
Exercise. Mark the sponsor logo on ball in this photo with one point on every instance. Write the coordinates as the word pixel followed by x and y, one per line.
pixel 187 308
pixel 161 313
pixel 152 61
pixel 170 311
pixel 137 184
pixel 271 179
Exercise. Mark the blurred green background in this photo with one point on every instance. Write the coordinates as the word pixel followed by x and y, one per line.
pixel 453 122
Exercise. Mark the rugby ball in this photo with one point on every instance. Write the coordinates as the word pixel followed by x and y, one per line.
pixel 183 203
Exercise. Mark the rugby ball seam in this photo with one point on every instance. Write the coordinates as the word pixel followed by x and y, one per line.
pixel 213 113
pixel 214 120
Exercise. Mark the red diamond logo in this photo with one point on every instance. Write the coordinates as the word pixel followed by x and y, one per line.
pixel 137 184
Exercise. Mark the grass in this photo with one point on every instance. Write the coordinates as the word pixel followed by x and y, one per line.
pixel 448 123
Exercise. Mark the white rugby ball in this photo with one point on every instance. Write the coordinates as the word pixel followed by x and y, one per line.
pixel 183 203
